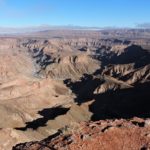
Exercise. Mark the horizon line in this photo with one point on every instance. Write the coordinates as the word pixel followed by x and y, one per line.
pixel 44 27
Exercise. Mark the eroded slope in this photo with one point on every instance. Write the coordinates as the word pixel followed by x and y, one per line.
pixel 49 84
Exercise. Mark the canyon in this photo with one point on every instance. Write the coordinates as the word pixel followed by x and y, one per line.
pixel 74 89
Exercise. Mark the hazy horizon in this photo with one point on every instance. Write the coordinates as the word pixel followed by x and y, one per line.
pixel 38 28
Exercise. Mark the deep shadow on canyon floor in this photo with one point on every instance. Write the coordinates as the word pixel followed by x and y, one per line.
pixel 122 103
pixel 47 114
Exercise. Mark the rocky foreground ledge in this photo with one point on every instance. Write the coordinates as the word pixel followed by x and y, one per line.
pixel 122 134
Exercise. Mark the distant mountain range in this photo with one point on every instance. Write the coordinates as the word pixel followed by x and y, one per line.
pixel 30 29
pixel 14 30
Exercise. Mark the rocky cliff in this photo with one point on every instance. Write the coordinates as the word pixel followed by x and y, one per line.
pixel 52 84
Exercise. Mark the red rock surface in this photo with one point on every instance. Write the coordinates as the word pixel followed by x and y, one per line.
pixel 115 134
pixel 49 83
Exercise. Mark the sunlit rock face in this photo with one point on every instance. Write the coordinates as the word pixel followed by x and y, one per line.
pixel 51 84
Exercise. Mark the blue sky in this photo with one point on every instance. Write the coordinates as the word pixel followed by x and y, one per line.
pixel 99 13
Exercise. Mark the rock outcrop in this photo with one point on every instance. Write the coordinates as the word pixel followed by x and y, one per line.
pixel 47 84
pixel 109 134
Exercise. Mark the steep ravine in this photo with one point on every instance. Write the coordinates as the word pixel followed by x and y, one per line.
pixel 55 84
